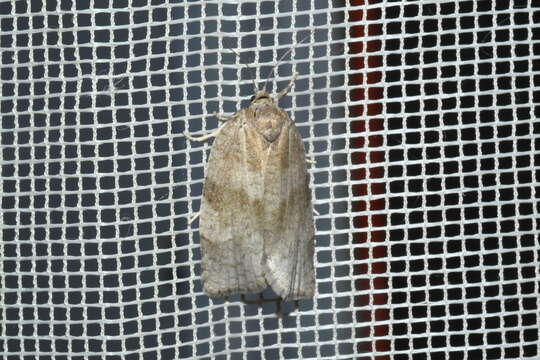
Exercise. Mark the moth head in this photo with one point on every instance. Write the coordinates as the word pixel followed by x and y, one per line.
pixel 266 116
pixel 262 97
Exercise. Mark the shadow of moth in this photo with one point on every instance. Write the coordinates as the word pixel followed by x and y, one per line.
pixel 256 219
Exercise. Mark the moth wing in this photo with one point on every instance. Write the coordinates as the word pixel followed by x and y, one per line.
pixel 289 232
pixel 231 243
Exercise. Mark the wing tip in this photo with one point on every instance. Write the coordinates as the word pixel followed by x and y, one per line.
pixel 215 289
pixel 218 291
pixel 281 286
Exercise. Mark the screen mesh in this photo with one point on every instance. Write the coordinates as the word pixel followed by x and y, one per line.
pixel 422 120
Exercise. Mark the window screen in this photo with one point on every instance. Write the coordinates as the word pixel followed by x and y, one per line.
pixel 421 118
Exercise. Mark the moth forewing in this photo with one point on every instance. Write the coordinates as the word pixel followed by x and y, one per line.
pixel 230 254
pixel 289 236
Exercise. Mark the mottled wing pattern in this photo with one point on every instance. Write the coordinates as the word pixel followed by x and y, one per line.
pixel 231 245
pixel 289 234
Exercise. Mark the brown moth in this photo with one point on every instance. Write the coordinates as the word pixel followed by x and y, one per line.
pixel 256 219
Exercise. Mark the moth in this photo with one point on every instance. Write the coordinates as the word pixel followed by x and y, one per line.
pixel 256 218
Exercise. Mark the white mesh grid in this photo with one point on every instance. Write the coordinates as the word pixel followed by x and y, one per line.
pixel 422 119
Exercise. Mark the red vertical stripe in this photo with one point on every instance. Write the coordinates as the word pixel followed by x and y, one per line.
pixel 363 145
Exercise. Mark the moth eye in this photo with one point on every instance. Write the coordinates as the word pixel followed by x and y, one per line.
pixel 252 98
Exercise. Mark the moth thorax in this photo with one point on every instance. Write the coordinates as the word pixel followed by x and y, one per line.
pixel 268 120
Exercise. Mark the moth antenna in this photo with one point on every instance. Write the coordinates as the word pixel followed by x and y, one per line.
pixel 284 92
pixel 255 87
pixel 280 60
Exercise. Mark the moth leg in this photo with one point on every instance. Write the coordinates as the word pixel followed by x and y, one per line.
pixel 278 301
pixel 221 117
pixel 280 314
pixel 204 137
pixel 259 301
pixel 284 92
pixel 279 311
pixel 314 211
pixel 193 218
